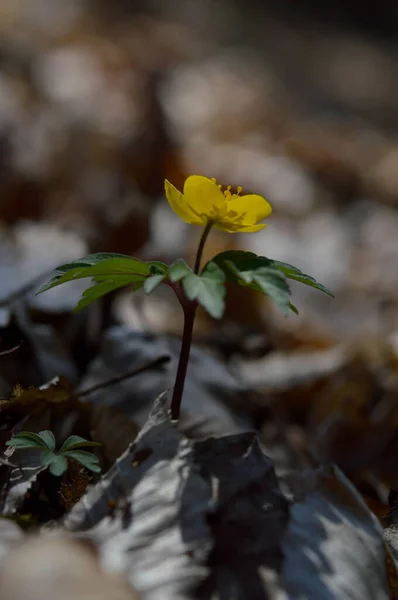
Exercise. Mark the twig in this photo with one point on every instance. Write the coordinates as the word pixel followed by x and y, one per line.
pixel 10 350
pixel 99 386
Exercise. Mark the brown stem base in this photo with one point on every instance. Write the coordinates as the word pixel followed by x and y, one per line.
pixel 189 320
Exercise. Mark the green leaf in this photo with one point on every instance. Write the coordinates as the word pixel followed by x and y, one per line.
pixel 275 286
pixel 90 260
pixel 257 273
pixel 246 268
pixel 102 264
pixel 268 280
pixel 87 459
pixel 58 465
pixel 208 289
pixel 47 457
pixel 48 438
pixel 293 273
pixel 179 269
pixel 138 284
pixel 27 439
pixel 152 282
pixel 243 261
pixel 101 288
pixel 75 441
pixel 157 267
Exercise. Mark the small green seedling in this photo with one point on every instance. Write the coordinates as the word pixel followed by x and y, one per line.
pixel 203 202
pixel 57 462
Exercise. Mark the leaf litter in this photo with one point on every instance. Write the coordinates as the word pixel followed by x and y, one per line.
pixel 200 511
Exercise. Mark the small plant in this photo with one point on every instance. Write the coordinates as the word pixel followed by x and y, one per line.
pixel 57 462
pixel 203 203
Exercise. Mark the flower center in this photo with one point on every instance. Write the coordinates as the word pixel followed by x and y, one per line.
pixel 224 214
pixel 227 192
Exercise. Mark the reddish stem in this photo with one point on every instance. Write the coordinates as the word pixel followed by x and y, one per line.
pixel 189 320
pixel 189 307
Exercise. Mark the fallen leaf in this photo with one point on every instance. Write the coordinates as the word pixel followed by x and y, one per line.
pixel 334 545
pixel 213 397
pixel 148 513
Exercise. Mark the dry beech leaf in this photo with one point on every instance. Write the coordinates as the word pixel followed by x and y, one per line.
pixel 179 516
pixel 334 545
pixel 214 400
pixel 56 394
pixel 208 519
pixel 284 371
pixel 148 513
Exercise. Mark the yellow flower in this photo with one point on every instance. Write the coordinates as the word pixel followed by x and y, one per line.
pixel 203 201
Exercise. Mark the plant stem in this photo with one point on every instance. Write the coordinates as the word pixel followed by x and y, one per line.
pixel 202 242
pixel 189 319
pixel 189 308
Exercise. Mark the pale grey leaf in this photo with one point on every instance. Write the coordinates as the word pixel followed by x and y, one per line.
pixel 334 546
pixel 20 479
pixel 157 532
pixel 214 399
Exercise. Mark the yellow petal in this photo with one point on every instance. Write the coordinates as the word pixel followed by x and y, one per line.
pixel 203 195
pixel 252 228
pixel 255 208
pixel 225 226
pixel 235 228
pixel 180 206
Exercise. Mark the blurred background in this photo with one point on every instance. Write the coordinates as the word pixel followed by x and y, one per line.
pixel 292 99
pixel 295 100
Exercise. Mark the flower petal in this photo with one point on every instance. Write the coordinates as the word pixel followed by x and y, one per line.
pixel 255 208
pixel 225 226
pixel 235 228
pixel 203 195
pixel 180 206
pixel 252 228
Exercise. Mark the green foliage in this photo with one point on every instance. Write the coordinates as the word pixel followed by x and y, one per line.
pixel 267 280
pixel 75 441
pixel 57 462
pixel 152 282
pixel 87 459
pixel 108 272
pixel 48 438
pixel 208 288
pixel 27 439
pixel 157 268
pixel 243 261
pixel 98 265
pixel 112 271
pixel 101 288
pixel 294 273
pixel 264 275
pixel 178 270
